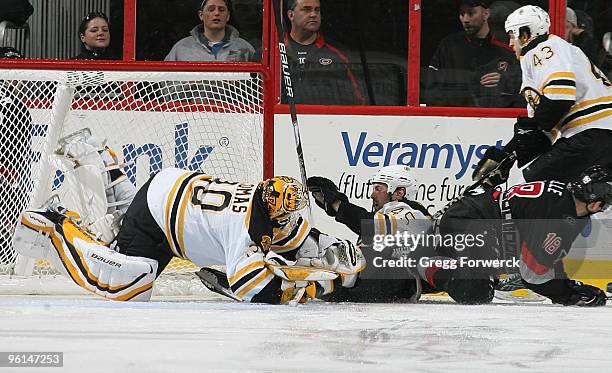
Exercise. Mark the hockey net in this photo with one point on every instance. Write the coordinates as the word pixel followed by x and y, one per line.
pixel 202 121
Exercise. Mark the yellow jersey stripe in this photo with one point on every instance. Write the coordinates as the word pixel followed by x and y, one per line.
pixel 558 75
pixel 560 91
pixel 393 223
pixel 168 209
pixel 587 119
pixel 381 223
pixel 244 270
pixel 297 240
pixel 586 103
pixel 180 223
pixel 266 273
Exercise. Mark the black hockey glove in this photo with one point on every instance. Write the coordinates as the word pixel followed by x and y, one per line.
pixel 325 193
pixel 489 161
pixel 531 142
pixel 585 295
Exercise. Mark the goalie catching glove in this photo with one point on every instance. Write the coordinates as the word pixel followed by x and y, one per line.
pixel 325 193
pixel 340 259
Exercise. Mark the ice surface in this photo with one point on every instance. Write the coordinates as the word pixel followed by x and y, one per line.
pixel 211 336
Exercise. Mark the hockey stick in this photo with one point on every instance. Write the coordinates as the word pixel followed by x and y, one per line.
pixel 503 163
pixel 289 88
pixel 212 278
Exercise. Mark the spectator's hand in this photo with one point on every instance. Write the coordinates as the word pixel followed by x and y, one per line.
pixel 576 31
pixel 490 80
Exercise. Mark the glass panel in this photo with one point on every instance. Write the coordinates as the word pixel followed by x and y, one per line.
pixel 589 27
pixel 163 23
pixel 360 56
pixel 465 57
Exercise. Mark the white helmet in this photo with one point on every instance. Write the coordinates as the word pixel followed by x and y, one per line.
pixel 530 16
pixel 397 176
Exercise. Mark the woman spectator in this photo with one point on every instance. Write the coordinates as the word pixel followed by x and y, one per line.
pixel 94 32
pixel 214 39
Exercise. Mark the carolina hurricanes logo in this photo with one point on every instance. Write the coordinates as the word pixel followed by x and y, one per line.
pixel 502 66
pixel 325 61
pixel 552 242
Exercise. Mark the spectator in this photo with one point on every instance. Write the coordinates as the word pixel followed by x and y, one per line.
pixel 321 72
pixel 472 67
pixel 577 35
pixel 16 11
pixel 214 39
pixel 94 32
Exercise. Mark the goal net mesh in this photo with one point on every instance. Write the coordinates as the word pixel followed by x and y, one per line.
pixel 199 121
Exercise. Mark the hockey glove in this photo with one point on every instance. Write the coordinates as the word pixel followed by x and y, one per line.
pixel 585 295
pixel 531 141
pixel 325 193
pixel 489 161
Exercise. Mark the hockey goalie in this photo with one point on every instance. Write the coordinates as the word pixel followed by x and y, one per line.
pixel 258 231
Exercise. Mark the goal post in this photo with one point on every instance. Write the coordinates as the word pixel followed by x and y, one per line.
pixel 208 121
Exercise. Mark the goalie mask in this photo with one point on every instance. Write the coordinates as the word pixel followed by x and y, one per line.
pixel 283 195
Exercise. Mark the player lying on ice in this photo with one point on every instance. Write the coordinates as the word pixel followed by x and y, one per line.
pixel 256 230
pixel 393 212
pixel 561 210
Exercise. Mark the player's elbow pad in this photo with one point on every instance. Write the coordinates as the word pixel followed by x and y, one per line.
pixel 549 112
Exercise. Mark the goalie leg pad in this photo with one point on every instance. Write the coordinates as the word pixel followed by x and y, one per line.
pixel 83 259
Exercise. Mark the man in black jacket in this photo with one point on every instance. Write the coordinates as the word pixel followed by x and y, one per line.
pixel 472 68
pixel 16 11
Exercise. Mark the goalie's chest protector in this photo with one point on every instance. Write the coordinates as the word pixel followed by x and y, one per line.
pixel 205 219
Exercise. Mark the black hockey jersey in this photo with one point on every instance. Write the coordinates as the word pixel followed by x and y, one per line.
pixel 544 215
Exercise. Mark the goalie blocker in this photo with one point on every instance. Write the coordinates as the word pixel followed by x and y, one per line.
pixel 255 230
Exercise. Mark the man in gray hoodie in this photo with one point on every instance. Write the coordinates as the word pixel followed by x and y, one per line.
pixel 214 39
